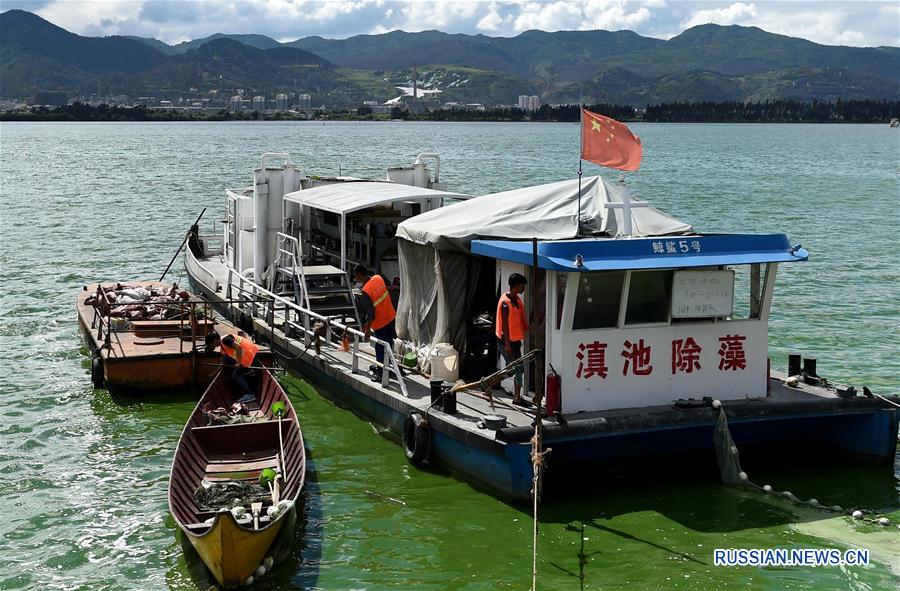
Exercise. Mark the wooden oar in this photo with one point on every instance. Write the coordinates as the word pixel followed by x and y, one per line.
pixel 278 410
pixel 183 242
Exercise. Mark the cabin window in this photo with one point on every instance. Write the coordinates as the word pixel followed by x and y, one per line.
pixel 749 286
pixel 561 279
pixel 599 298
pixel 649 294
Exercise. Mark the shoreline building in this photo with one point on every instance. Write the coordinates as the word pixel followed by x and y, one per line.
pixel 259 103
pixel 529 103
pixel 304 101
pixel 281 102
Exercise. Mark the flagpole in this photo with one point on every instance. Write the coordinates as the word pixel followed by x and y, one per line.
pixel 580 172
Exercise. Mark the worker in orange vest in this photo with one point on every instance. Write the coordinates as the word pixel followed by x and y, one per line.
pixel 378 314
pixel 238 353
pixel 511 328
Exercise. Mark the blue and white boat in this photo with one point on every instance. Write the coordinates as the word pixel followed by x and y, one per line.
pixel 641 321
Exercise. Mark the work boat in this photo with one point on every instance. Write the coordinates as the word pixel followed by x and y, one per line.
pixel 643 331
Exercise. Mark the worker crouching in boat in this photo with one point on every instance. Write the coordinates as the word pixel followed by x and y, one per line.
pixel 512 325
pixel 238 353
pixel 378 314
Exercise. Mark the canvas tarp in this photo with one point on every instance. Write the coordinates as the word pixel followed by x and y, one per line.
pixel 438 273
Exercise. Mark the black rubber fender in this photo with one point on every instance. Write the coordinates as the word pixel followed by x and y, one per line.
pixel 97 378
pixel 416 439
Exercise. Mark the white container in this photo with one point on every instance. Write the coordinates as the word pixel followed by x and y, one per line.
pixel 444 362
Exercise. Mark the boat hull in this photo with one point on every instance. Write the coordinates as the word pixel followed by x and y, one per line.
pixel 237 451
pixel 858 427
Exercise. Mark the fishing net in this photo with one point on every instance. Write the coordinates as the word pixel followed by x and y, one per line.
pixel 214 496
pixel 727 453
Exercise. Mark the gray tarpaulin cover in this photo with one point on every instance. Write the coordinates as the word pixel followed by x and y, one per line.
pixel 438 274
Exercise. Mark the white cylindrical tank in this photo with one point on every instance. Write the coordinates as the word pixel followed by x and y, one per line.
pixel 260 217
pixel 420 175
pixel 403 175
pixel 444 360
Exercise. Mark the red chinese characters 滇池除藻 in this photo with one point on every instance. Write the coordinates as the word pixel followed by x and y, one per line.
pixel 731 353
pixel 591 360
pixel 685 355
pixel 637 357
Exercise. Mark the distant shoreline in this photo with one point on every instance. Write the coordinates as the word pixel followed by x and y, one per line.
pixel 779 111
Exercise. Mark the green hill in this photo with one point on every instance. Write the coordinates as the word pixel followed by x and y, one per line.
pixel 707 62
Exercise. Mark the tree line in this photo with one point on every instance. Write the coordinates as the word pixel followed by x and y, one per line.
pixel 770 111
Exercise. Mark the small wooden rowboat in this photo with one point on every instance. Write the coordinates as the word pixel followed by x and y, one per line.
pixel 149 345
pixel 234 550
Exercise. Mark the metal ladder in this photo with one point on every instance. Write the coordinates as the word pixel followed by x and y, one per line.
pixel 323 289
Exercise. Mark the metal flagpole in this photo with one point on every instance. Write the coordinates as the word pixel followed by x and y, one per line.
pixel 580 162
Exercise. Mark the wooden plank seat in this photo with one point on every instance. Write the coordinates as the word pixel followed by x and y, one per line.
pixel 251 438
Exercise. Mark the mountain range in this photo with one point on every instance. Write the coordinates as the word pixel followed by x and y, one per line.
pixel 706 62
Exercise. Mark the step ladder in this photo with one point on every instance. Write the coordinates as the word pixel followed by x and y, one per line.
pixel 323 289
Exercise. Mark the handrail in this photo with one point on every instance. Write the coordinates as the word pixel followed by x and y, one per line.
pixel 393 364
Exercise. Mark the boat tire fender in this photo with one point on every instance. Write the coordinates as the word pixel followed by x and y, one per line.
pixel 97 378
pixel 416 438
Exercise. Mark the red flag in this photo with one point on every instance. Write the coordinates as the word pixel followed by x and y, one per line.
pixel 607 142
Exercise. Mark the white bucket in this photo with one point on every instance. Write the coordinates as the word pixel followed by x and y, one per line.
pixel 444 362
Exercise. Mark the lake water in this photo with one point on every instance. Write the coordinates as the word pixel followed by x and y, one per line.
pixel 83 474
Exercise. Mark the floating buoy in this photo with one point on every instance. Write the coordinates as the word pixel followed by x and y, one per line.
pixel 767 488
pixel 717 404
pixel 238 511
pixel 857 514
pixel 269 561
pixel 742 476
pixel 884 521
pixel 789 495
pixel 837 509
pixel 285 505
pixel 260 571
pixel 273 512
pixel 249 581
pixel 792 381
pixel 814 502
pixel 734 450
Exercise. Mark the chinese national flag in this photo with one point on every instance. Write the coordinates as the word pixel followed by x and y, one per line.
pixel 607 142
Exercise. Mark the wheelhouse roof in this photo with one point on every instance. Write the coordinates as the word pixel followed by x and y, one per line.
pixel 662 252
pixel 347 197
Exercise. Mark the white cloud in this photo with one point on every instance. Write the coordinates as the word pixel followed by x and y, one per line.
pixel 735 14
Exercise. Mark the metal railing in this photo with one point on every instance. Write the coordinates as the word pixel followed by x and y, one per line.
pixel 265 305
pixel 188 315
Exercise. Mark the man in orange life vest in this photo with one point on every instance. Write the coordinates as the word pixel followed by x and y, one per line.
pixel 378 313
pixel 238 352
pixel 511 327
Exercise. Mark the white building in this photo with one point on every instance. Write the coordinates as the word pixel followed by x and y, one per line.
pixel 281 102
pixel 304 101
pixel 236 102
pixel 529 103
pixel 259 103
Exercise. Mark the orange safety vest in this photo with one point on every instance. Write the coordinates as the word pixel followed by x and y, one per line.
pixel 518 325
pixel 248 348
pixel 378 292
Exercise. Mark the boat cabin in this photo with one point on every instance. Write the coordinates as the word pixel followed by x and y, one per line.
pixel 285 221
pixel 632 307
pixel 646 321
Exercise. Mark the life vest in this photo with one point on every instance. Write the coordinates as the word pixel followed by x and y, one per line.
pixel 518 325
pixel 378 292
pixel 248 348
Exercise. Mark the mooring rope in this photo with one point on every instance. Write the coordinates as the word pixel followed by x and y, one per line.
pixel 537 464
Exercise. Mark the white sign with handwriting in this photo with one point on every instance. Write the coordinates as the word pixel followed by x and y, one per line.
pixel 702 294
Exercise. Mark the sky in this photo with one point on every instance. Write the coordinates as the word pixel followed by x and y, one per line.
pixel 856 23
